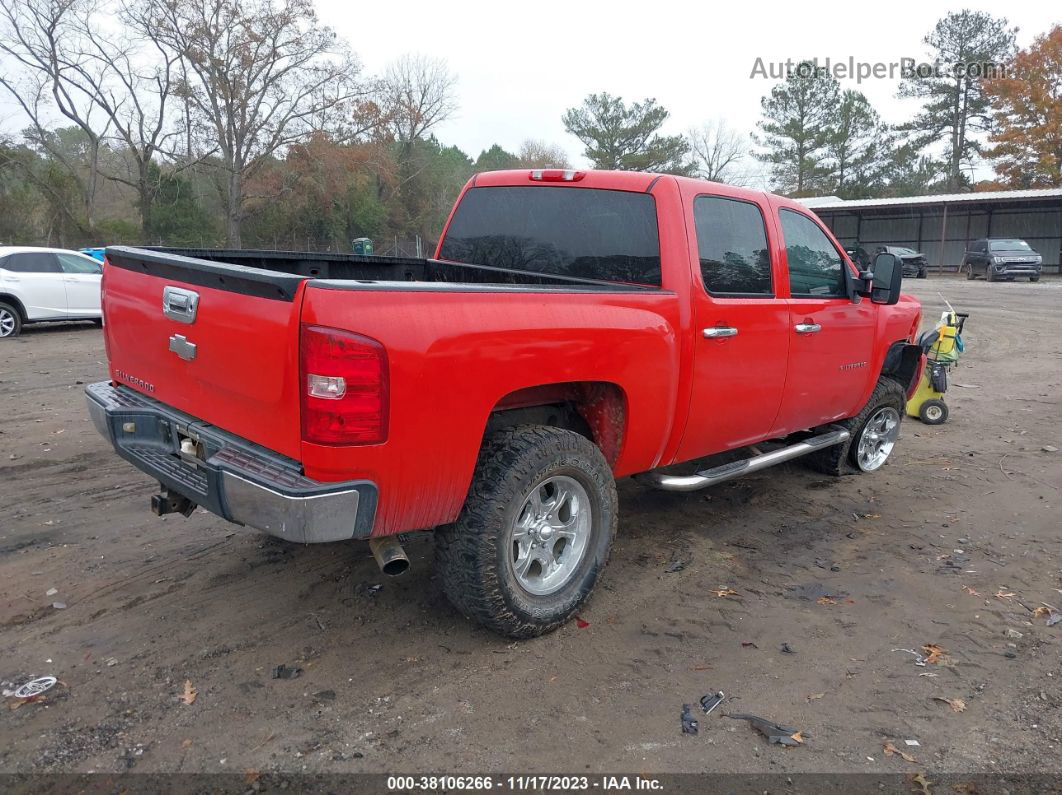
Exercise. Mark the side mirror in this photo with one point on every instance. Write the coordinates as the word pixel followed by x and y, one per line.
pixel 886 279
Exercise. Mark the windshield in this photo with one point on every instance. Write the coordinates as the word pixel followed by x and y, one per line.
pixel 1010 245
pixel 580 232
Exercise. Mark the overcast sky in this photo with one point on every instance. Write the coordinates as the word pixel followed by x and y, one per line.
pixel 520 65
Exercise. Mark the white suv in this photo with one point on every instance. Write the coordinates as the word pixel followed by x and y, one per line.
pixel 46 284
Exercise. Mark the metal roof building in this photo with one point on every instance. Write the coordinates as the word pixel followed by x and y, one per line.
pixel 942 226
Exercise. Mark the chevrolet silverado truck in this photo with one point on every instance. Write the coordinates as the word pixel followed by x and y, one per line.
pixel 573 328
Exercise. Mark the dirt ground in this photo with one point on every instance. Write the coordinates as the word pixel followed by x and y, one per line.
pixel 955 543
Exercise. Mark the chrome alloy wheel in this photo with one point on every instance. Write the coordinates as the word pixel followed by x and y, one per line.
pixel 550 535
pixel 878 438
pixel 7 322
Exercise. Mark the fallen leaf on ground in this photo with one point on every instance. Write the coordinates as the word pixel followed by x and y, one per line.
pixel 923 784
pixel 826 600
pixel 725 592
pixel 186 743
pixel 815 696
pixel 970 590
pixel 956 704
pixel 1040 612
pixel 1000 594
pixel 891 749
pixel 872 516
pixel 935 655
pixel 250 776
pixel 582 623
pixel 189 695
pixel 798 737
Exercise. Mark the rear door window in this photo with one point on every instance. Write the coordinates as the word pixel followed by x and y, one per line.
pixel 814 263
pixel 32 262
pixel 732 246
pixel 577 232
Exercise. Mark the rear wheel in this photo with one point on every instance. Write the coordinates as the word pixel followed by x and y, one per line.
pixel 969 272
pixel 933 412
pixel 1034 278
pixel 874 432
pixel 923 274
pixel 10 321
pixel 534 534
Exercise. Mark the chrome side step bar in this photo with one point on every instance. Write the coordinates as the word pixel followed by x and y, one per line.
pixel 736 469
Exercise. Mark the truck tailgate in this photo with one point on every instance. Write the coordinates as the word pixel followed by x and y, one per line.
pixel 224 348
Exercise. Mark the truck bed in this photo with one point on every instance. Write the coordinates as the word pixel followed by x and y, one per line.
pixel 350 267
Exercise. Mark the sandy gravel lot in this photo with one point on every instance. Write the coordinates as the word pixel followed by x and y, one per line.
pixel 955 543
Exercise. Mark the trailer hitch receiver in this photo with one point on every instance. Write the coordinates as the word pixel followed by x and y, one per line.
pixel 169 501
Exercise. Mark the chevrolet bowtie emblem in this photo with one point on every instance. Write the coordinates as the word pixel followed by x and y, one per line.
pixel 180 345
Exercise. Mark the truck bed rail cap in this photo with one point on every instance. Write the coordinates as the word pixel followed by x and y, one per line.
pixel 219 275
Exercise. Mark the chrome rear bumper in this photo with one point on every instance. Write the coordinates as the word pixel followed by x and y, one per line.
pixel 236 479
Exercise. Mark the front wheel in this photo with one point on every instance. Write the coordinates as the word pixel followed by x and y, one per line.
pixel 1034 278
pixel 922 274
pixel 534 534
pixel 874 432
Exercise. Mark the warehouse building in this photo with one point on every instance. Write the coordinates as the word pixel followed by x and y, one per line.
pixel 942 226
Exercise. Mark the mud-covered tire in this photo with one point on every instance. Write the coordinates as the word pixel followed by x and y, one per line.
pixel 474 555
pixel 840 459
pixel 10 320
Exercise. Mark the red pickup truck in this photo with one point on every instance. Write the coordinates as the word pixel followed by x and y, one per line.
pixel 573 328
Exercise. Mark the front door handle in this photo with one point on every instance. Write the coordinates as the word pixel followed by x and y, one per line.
pixel 719 332
pixel 807 328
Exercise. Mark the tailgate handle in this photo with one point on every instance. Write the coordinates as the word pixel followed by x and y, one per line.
pixel 180 304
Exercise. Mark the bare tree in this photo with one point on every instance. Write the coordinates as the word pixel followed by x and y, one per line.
pixel 719 152
pixel 42 38
pixel 539 154
pixel 131 82
pixel 261 75
pixel 416 94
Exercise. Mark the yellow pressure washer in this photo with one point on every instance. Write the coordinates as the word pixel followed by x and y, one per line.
pixel 943 347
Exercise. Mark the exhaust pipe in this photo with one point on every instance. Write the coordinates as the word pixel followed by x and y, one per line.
pixel 390 556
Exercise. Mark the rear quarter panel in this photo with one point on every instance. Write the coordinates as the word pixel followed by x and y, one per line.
pixel 453 355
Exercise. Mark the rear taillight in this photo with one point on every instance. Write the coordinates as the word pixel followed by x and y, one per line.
pixel 344 387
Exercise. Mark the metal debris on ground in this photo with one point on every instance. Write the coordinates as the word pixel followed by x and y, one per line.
pixel 787 649
pixel 59 605
pixel 35 687
pixel 919 659
pixel 711 701
pixel 286 672
pixel 689 723
pixel 781 735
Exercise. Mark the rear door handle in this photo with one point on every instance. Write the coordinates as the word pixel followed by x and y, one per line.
pixel 718 332
pixel 807 328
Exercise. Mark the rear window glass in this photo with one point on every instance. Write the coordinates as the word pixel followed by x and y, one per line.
pixel 581 232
